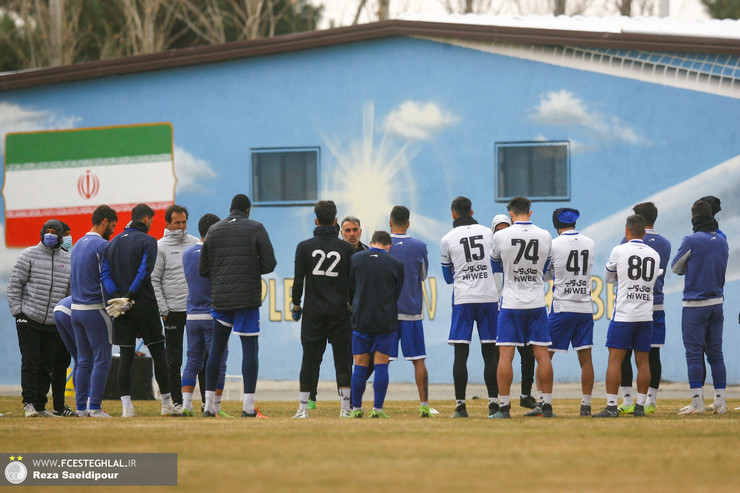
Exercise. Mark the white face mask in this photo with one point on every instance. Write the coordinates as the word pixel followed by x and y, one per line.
pixel 178 234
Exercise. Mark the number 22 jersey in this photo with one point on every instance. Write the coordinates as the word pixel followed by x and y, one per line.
pixel 467 249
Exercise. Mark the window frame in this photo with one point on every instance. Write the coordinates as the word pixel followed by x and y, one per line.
pixel 273 150
pixel 533 143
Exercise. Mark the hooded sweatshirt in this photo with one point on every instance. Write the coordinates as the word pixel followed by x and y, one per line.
pixel 168 276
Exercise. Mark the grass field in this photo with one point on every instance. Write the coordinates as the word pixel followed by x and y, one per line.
pixel 663 452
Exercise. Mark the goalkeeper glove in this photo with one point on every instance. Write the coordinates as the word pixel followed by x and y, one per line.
pixel 297 312
pixel 118 306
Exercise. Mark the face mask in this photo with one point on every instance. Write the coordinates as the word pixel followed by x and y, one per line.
pixel 67 243
pixel 178 234
pixel 50 240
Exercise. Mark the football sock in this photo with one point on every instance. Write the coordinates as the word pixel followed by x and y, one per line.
pixel 627 396
pixel 493 400
pixel 161 370
pixel 344 395
pixel 380 384
pixel 539 396
pixel 459 402
pixel 422 404
pixel 359 381
pixel 250 364
pixel 187 400
pixel 697 398
pixel 217 402
pixel 547 398
pixel 719 396
pixel 248 403
pixel 303 401
pixel 165 398
pixel 652 396
pixel 126 401
pixel 585 400
pixel 641 399
pixel 503 400
pixel 611 399
pixel 210 397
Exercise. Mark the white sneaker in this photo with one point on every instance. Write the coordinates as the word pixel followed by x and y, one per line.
pixel 719 408
pixel 685 408
pixel 710 408
pixel 433 411
pixel 47 414
pixel 98 413
pixel 178 409
pixel 301 414
pixel 30 410
pixel 168 409
pixel 128 412
pixel 345 413
pixel 737 409
pixel 691 410
pixel 83 414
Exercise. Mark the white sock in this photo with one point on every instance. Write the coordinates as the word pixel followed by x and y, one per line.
pixel 611 399
pixel 248 403
pixel 459 402
pixel 378 410
pixel 493 400
pixel 187 401
pixel 210 398
pixel 422 404
pixel 719 397
pixel 344 396
pixel 585 400
pixel 165 398
pixel 652 396
pixel 503 400
pixel 303 400
pixel 627 396
pixel 697 398
pixel 641 399
pixel 217 402
pixel 547 398
pixel 539 396
pixel 125 400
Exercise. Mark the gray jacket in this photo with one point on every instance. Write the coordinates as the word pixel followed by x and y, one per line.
pixel 40 279
pixel 168 276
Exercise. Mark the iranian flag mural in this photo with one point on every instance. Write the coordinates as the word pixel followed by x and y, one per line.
pixel 66 174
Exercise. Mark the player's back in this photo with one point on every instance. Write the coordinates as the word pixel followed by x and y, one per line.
pixel 467 249
pixel 377 279
pixel 635 267
pixel 199 287
pixel 524 251
pixel 85 275
pixel 661 245
pixel 706 266
pixel 413 254
pixel 572 260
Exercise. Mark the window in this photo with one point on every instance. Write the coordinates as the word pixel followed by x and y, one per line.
pixel 285 176
pixel 536 170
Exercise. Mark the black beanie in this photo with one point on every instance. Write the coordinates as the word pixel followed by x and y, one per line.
pixel 714 202
pixel 240 202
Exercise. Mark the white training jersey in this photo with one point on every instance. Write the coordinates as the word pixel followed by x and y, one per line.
pixel 467 249
pixel 524 251
pixel 570 270
pixel 633 267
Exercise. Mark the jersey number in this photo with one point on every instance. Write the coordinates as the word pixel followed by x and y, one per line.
pixel 527 249
pixel 329 271
pixel 471 243
pixel 571 265
pixel 641 268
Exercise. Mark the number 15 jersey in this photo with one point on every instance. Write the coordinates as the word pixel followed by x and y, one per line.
pixel 524 251
pixel 467 249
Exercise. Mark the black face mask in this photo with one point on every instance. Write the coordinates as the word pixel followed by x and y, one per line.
pixel 706 224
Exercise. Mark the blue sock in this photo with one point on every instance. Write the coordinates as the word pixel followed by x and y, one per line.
pixel 380 385
pixel 359 381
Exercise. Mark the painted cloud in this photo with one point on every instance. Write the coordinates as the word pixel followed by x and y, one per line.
pixel 191 171
pixel 418 121
pixel 15 118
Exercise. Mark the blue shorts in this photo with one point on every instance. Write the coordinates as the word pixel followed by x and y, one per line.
pixel 658 339
pixel 411 335
pixel 245 321
pixel 571 328
pixel 484 315
pixel 364 343
pixel 523 327
pixel 629 335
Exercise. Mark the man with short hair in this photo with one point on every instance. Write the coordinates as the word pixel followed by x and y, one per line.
pixel 199 325
pixel 128 261
pixel 39 280
pixel 660 244
pixel 523 252
pixel 171 289
pixel 376 279
pixel 634 267
pixel 91 324
pixel 571 320
pixel 235 254
pixel 702 258
pixel 466 265
pixel 352 233
pixel 323 263
pixel 410 331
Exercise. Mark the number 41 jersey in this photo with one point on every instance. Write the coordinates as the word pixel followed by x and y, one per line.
pixel 524 251
pixel 467 250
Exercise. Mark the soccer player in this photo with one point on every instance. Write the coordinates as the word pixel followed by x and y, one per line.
pixel 571 320
pixel 323 262
pixel 58 375
pixel 465 264
pixel 171 289
pixel 92 325
pixel 523 252
pixel 235 254
pixel 526 358
pixel 63 321
pixel 128 261
pixel 661 245
pixel 410 331
pixel 634 267
pixel 702 258
pixel 376 279
pixel 199 323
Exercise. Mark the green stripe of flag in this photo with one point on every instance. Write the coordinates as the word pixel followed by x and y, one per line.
pixel 88 144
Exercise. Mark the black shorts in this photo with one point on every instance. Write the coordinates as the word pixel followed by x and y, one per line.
pixel 335 328
pixel 142 320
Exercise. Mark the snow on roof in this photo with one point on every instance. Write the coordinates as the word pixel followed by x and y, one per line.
pixel 726 28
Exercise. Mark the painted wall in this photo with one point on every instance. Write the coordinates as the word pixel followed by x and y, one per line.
pixel 414 122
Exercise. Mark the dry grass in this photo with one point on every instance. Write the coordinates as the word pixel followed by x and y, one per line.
pixel 664 452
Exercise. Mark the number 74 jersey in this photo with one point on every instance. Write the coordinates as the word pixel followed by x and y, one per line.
pixel 467 249
pixel 524 251
pixel 633 267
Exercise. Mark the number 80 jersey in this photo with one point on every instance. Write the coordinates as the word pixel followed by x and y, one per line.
pixel 467 250
pixel 524 251
pixel 633 267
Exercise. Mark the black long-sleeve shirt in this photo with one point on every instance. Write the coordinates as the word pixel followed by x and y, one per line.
pixel 376 280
